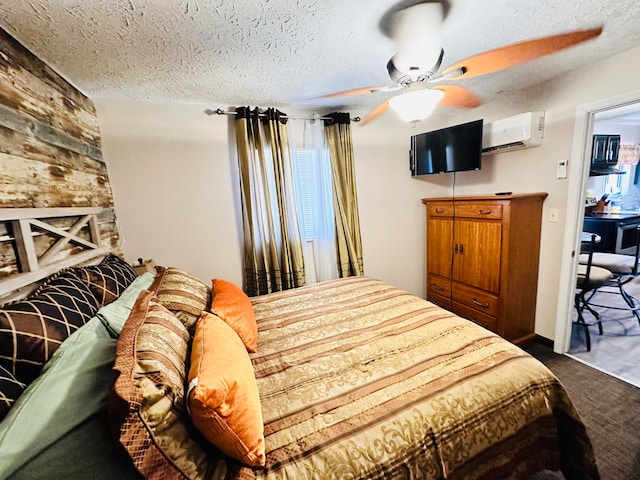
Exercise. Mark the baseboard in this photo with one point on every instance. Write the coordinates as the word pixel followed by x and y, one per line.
pixel 547 342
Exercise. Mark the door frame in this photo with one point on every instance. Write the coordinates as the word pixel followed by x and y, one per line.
pixel 576 193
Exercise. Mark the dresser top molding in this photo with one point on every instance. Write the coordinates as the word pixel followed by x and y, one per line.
pixel 484 198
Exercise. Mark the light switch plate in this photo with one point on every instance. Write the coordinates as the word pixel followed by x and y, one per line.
pixel 561 172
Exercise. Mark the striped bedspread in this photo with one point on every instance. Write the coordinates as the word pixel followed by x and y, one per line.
pixel 360 380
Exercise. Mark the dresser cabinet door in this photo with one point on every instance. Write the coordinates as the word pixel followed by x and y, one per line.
pixel 439 245
pixel 477 253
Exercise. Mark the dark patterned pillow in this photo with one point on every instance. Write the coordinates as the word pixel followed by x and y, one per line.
pixel 33 328
pixel 108 279
pixel 10 390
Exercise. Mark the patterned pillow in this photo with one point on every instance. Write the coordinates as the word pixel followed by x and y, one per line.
pixel 33 328
pixel 10 390
pixel 108 279
pixel 147 401
pixel 185 295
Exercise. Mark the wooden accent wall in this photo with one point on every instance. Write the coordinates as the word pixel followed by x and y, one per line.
pixel 50 153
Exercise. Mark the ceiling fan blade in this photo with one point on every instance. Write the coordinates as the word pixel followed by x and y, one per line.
pixel 375 113
pixel 511 55
pixel 361 91
pixel 455 96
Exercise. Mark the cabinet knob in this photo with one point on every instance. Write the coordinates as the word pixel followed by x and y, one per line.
pixel 435 286
pixel 486 211
pixel 458 248
pixel 439 210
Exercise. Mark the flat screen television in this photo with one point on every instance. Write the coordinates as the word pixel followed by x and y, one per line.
pixel 452 149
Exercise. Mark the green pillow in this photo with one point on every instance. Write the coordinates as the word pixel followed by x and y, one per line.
pixel 114 314
pixel 72 387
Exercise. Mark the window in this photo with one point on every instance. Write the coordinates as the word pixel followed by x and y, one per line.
pixel 314 197
pixel 305 192
pixel 618 184
pixel 314 192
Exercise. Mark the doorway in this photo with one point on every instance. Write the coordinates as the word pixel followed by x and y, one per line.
pixel 586 119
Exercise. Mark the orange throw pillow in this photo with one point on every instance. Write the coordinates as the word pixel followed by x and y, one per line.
pixel 223 398
pixel 233 306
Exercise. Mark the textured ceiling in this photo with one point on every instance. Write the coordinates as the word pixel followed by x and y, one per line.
pixel 285 52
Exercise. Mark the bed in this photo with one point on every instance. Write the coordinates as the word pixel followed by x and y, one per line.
pixel 168 376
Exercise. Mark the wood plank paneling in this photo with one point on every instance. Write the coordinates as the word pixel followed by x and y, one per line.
pixel 50 149
pixel 24 58
pixel 47 102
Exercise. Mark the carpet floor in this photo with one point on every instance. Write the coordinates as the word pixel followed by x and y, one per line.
pixel 610 410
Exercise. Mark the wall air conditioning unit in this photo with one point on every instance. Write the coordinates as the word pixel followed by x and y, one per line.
pixel 513 133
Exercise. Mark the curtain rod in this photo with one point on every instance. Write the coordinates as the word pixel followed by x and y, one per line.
pixel 219 111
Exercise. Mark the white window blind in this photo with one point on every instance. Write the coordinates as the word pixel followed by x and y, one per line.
pixel 304 178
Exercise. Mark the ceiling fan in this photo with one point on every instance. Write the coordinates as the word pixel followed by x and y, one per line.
pixel 415 69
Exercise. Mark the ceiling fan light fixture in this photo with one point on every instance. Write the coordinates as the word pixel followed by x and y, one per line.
pixel 417 105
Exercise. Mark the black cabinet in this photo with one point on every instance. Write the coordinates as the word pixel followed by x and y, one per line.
pixel 618 232
pixel 605 150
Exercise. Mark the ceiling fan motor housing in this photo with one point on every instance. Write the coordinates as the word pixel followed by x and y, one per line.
pixel 413 73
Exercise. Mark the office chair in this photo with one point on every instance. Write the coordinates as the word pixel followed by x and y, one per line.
pixel 589 278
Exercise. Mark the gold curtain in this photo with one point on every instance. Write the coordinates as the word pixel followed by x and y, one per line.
pixel 348 242
pixel 273 259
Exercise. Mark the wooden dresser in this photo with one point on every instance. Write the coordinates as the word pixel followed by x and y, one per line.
pixel 482 259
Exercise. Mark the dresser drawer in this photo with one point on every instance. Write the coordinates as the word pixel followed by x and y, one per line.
pixel 440 209
pixel 438 285
pixel 491 210
pixel 480 300
pixel 444 302
pixel 487 321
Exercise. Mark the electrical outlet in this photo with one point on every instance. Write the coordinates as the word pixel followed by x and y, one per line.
pixel 554 213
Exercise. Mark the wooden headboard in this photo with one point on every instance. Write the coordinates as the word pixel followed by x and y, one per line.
pixel 46 240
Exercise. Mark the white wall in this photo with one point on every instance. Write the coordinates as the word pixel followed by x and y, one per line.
pixel 174 183
pixel 176 190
